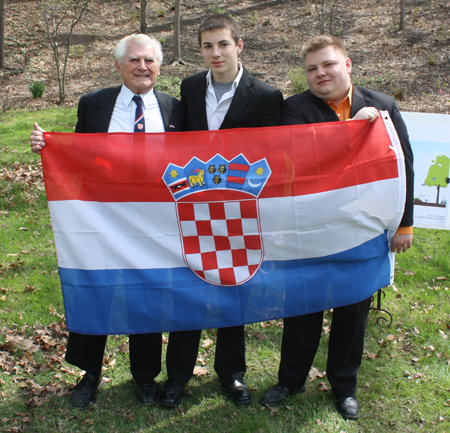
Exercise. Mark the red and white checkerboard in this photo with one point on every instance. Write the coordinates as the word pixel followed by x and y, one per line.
pixel 221 240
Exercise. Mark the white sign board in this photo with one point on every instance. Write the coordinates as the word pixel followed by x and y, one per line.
pixel 430 140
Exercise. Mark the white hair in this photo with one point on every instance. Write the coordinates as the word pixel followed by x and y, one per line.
pixel 141 40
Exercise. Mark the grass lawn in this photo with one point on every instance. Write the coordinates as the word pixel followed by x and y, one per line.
pixel 404 383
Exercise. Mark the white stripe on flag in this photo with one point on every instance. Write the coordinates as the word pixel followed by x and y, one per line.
pixel 94 235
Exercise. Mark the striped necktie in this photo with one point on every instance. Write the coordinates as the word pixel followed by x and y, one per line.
pixel 139 123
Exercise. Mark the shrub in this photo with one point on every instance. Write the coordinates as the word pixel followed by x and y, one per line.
pixel 37 88
pixel 298 79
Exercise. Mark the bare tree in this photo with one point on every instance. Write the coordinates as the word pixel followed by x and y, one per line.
pixel 61 15
pixel 2 31
pixel 144 16
pixel 402 15
pixel 176 34
pixel 321 9
pixel 177 60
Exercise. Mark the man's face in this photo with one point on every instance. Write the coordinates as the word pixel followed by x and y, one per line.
pixel 139 68
pixel 328 74
pixel 220 53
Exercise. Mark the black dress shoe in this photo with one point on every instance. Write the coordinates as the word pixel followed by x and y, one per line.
pixel 237 390
pixel 277 393
pixel 348 407
pixel 170 395
pixel 84 392
pixel 147 392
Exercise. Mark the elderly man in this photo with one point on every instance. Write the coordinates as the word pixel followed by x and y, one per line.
pixel 133 107
pixel 331 97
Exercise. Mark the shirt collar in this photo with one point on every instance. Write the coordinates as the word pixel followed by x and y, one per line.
pixel 349 96
pixel 209 81
pixel 127 96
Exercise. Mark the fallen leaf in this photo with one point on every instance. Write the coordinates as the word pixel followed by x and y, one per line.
pixel 200 371
pixel 314 374
pixel 390 337
pixel 322 386
pixel 207 342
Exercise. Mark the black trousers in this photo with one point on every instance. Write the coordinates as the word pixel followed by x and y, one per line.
pixel 229 360
pixel 301 337
pixel 86 352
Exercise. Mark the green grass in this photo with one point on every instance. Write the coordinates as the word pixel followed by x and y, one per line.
pixel 404 381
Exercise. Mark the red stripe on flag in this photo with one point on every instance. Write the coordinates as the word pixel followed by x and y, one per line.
pixel 239 167
pixel 304 159
pixel 235 179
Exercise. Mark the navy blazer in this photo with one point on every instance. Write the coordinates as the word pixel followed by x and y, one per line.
pixel 254 103
pixel 307 108
pixel 95 110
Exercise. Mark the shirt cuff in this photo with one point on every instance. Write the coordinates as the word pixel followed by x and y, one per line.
pixel 405 230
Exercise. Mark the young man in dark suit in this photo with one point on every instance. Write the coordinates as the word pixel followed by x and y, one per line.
pixel 138 61
pixel 331 97
pixel 225 96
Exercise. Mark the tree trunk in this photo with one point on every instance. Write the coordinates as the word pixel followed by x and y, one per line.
pixel 402 15
pixel 2 31
pixel 144 16
pixel 176 34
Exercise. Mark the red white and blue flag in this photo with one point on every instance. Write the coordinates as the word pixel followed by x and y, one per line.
pixel 194 230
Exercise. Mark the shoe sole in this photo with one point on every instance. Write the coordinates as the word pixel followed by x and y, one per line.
pixel 240 402
pixel 283 397
pixel 100 386
pixel 169 405
pixel 152 403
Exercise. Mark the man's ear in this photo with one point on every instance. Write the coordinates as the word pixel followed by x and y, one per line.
pixel 348 64
pixel 118 67
pixel 240 45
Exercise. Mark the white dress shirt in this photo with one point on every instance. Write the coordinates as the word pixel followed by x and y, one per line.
pixel 216 111
pixel 124 113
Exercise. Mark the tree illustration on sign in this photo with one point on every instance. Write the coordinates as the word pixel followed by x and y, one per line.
pixel 438 174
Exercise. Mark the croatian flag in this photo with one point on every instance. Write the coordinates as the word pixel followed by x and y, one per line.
pixel 194 230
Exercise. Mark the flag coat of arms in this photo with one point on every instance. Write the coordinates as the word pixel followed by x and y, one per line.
pixel 194 230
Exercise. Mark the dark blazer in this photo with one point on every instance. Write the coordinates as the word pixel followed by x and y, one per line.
pixel 86 351
pixel 307 108
pixel 95 110
pixel 254 104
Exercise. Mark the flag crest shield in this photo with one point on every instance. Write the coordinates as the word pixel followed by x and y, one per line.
pixel 218 216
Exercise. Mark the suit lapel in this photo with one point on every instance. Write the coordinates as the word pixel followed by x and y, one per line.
pixel 241 98
pixel 199 90
pixel 326 113
pixel 360 100
pixel 105 110
pixel 165 108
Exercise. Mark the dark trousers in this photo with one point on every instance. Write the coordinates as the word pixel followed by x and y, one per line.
pixel 229 359
pixel 301 337
pixel 86 352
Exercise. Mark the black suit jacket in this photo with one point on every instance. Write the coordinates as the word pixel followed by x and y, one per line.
pixel 95 110
pixel 254 103
pixel 86 351
pixel 307 108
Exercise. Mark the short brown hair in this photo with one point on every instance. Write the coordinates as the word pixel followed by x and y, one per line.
pixel 219 21
pixel 319 42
